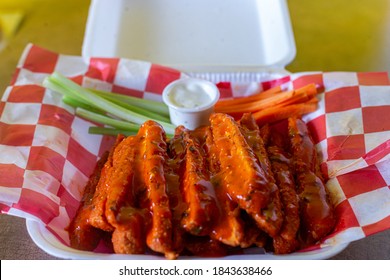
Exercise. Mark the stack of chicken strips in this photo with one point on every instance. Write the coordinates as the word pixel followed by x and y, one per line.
pixel 206 192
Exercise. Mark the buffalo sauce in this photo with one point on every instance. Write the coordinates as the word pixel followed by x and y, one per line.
pixel 317 213
pixel 83 235
pixel 178 206
pixel 228 228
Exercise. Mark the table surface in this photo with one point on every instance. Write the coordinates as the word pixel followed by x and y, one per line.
pixel 329 36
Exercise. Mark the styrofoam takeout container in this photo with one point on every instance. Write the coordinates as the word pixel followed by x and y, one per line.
pixel 45 240
pixel 193 36
pixel 204 38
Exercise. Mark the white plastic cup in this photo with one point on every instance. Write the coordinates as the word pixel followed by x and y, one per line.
pixel 190 101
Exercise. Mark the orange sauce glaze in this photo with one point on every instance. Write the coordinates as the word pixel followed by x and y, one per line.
pixel 83 235
pixel 317 213
pixel 286 241
pixel 197 189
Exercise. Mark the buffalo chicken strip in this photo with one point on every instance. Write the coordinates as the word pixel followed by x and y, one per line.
pixel 245 180
pixel 286 241
pixel 121 209
pixel 154 156
pixel 229 228
pixel 176 155
pixel 197 190
pixel 97 217
pixel 317 216
pixel 251 132
pixel 82 234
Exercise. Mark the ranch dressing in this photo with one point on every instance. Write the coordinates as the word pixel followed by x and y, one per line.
pixel 189 95
pixel 190 101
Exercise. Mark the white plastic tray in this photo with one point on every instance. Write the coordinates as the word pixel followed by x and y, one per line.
pixel 200 36
pixel 51 245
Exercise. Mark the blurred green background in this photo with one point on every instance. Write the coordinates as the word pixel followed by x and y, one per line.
pixel 341 35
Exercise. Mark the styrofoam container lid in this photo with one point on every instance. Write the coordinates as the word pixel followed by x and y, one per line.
pixel 201 35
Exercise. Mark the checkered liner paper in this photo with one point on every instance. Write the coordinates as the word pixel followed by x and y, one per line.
pixel 46 153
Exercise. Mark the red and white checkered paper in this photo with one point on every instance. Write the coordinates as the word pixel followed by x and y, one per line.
pixel 46 153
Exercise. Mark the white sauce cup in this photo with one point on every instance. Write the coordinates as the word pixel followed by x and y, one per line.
pixel 190 101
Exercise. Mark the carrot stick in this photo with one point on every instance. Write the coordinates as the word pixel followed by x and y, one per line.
pixel 312 100
pixel 298 98
pixel 273 104
pixel 274 114
pixel 257 105
pixel 258 96
pixel 311 89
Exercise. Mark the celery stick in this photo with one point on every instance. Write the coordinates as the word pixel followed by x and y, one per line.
pixel 67 96
pixel 114 131
pixel 150 105
pixel 110 131
pixel 66 86
pixel 90 98
pixel 69 100
pixel 139 110
pixel 106 120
